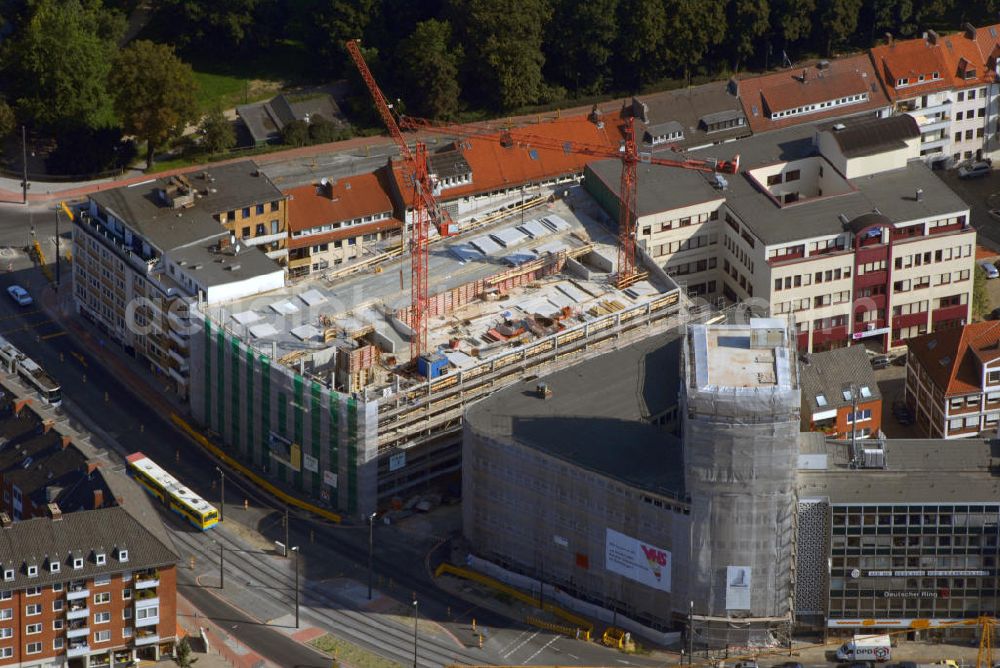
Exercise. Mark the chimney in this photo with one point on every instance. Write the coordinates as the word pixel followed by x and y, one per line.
pixel 19 404
pixel 98 498
pixel 47 426
pixel 5 521
pixel 804 74
pixel 920 194
pixel 66 441
pixel 889 40
pixel 932 37
pixel 970 30
pixel 54 512
pixel 91 467
pixel 734 87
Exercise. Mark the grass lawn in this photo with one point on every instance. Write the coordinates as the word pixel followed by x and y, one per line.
pixel 351 654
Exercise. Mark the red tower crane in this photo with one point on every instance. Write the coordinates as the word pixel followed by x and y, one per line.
pixel 425 207
pixel 628 153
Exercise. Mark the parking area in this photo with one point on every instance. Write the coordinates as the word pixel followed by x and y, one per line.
pixel 981 195
pixel 891 381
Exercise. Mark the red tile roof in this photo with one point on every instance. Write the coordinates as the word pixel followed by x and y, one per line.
pixel 909 59
pixel 345 233
pixel 351 197
pixel 537 154
pixel 988 41
pixel 958 48
pixel 781 91
pixel 949 356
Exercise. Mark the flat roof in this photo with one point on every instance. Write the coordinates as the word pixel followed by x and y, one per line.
pixel 202 262
pixel 919 471
pixel 891 192
pixel 754 355
pixel 660 187
pixel 598 415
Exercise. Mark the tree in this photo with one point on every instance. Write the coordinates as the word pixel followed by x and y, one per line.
pixel 580 41
pixel 641 38
pixel 217 132
pixel 428 66
pixel 328 24
pixel 694 27
pixel 7 119
pixel 322 130
pixel 504 41
pixel 183 653
pixel 154 93
pixel 793 19
pixel 838 21
pixel 56 65
pixel 748 21
pixel 220 26
pixel 295 133
pixel 980 296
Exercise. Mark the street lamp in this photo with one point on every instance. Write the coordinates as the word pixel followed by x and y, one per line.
pixel 222 497
pixel 296 551
pixel 415 617
pixel 371 531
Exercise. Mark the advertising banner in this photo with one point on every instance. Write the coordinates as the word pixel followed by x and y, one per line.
pixel 637 561
pixel 330 478
pixel 737 587
pixel 310 463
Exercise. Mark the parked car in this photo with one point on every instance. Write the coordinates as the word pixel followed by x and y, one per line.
pixel 19 295
pixel 974 170
pixel 746 664
pixel 988 268
pixel 880 361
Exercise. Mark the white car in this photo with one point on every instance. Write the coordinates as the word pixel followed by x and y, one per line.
pixel 974 170
pixel 989 269
pixel 20 295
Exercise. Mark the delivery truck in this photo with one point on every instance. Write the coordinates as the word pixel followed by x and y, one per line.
pixel 866 648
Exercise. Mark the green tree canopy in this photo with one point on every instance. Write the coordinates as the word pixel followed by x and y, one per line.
pixel 694 27
pixel 220 26
pixel 328 24
pixel 580 43
pixel 295 133
pixel 7 119
pixel 322 130
pixel 641 37
pixel 792 19
pixel 504 40
pixel 748 20
pixel 838 21
pixel 57 63
pixel 980 295
pixel 428 65
pixel 154 93
pixel 217 133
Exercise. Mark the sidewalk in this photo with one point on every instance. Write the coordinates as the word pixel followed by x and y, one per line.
pixel 223 650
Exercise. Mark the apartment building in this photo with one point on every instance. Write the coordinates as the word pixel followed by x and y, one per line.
pixel 85 589
pixel 339 220
pixel 953 381
pixel 944 82
pixel 840 225
pixel 840 397
pixel 814 92
pixel 144 254
pixel 256 214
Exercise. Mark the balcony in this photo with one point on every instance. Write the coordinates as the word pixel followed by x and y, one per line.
pixel 77 594
pixel 149 638
pixel 147 580
pixel 78 649
pixel 80 630
pixel 182 380
pixel 80 612
pixel 134 256
pixel 932 124
pixel 930 145
pixel 264 239
pixel 182 360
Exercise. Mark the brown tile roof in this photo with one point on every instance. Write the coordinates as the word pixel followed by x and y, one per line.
pixel 950 356
pixel 785 90
pixel 908 59
pixel 537 154
pixel 961 50
pixel 350 198
pixel 988 41
pixel 345 233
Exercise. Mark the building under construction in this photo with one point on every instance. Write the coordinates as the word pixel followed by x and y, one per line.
pixel 313 384
pixel 576 480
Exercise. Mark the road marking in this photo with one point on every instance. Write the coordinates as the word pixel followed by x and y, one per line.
pixel 79 358
pixel 526 641
pixel 540 650
pixel 511 643
pixel 46 337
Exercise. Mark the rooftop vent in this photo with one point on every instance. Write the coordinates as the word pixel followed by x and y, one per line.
pixel 932 37
pixel 970 30
pixel 838 127
pixel 823 65
pixel 919 194
pixel 889 40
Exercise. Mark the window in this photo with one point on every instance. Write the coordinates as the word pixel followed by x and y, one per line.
pixel 33 648
pixel 54 567
pixel 260 230
pixel 32 571
pixel 147 613
pixel 102 636
pixel 245 232
pixel 32 609
pixel 8 574
pixel 102 580
pixel 821 400
pixel 77 563
pixel 57 586
pixel 260 209
pixel 102 617
pixel 103 597
pixel 33 629
pixel 793 175
pixel 127 632
pixel 6 595
pixel 127 613
pixel 6 632
pixel 6 652
pixel 57 605
pixel 57 624
pixel 6 613
pixel 774 179
pixel 859 416
pixel 100 558
pixel 57 643
pixel 246 212
pixel 126 594
pixel 866 391
pixel 275 227
pixel 32 591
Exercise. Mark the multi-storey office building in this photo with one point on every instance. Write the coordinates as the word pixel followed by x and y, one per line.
pixel 142 254
pixel 85 589
pixel 840 225
pixel 953 381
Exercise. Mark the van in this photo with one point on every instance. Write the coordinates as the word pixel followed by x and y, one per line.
pixel 866 648
pixel 974 170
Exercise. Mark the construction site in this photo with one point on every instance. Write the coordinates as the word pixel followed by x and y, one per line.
pixel 315 385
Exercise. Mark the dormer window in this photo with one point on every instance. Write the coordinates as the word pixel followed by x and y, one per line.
pixel 8 574
pixel 32 571
pixel 100 558
pixel 53 567
pixel 902 82
pixel 123 555
pixel 77 563
pixel 935 75
pixel 821 400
